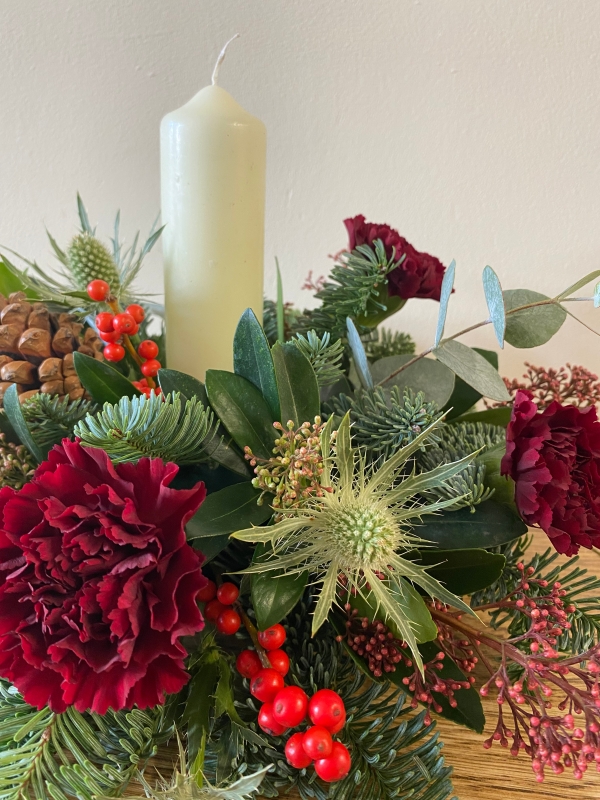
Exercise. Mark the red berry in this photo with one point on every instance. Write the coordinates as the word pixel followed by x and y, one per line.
pixel 326 708
pixel 150 368
pixel 212 610
pixel 317 742
pixel 265 685
pixel 266 721
pixel 279 661
pixel 133 331
pixel 137 312
pixel 98 290
pixel 109 336
pixel 124 323
pixel 229 622
pixel 273 637
pixel 208 592
pixel 104 322
pixel 289 706
pixel 336 766
pixel 148 349
pixel 114 352
pixel 248 663
pixel 295 754
pixel 228 593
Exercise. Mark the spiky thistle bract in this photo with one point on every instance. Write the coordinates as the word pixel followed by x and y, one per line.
pixel 359 529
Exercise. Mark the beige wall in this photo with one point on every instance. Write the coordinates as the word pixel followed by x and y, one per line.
pixel 471 125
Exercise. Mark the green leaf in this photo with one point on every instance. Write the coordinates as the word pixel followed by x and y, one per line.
pixel 463 571
pixel 410 601
pixel 473 368
pixel 446 291
pixel 358 354
pixel 297 384
pixel 274 594
pixel 531 327
pixel 464 396
pixel 242 410
pixel 9 282
pixel 102 381
pixel 493 416
pixel 12 407
pixel 200 701
pixel 575 287
pixel 171 380
pixel 490 524
pixel 432 378
pixel 228 510
pixel 280 306
pixel 210 547
pixel 495 303
pixel 252 359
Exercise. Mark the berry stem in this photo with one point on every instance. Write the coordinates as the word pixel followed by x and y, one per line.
pixel 253 632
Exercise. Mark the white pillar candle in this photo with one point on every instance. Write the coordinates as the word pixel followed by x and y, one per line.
pixel 213 156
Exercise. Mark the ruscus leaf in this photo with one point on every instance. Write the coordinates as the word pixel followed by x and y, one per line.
pixel 228 510
pixel 445 292
pixel 274 594
pixel 252 359
pixel 473 368
pixel 489 525
pixel 495 303
pixel 296 383
pixel 463 571
pixel 102 381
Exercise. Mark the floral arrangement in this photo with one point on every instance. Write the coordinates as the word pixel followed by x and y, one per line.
pixel 287 568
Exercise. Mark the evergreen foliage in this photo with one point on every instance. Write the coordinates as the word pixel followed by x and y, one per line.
pixel 383 342
pixel 385 420
pixel 455 442
pixel 325 357
pixel 155 427
pixel 291 320
pixel 72 755
pixel 52 419
pixel 394 755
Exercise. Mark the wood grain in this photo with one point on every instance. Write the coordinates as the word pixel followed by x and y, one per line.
pixel 487 774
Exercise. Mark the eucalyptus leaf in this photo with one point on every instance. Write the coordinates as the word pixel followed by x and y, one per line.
pixel 575 287
pixel 103 382
pixel 358 354
pixel 473 368
pixel 531 327
pixel 445 292
pixel 228 510
pixel 427 375
pixel 490 524
pixel 463 571
pixel 464 396
pixel 12 407
pixel 252 359
pixel 297 384
pixel 495 303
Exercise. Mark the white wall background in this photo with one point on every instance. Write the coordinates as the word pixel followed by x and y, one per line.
pixel 473 126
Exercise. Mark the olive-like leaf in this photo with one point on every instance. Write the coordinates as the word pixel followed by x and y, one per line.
pixel 252 359
pixel 297 384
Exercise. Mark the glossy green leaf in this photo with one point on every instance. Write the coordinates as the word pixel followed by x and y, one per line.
pixel 200 701
pixel 211 546
pixel 446 291
pixel 427 375
pixel 411 603
pixel 242 410
pixel 297 384
pixel 102 381
pixel 575 287
pixel 9 282
pixel 252 359
pixel 274 594
pixel 489 525
pixel 361 363
pixel 462 571
pixel 503 485
pixel 171 380
pixel 464 396
pixel 228 510
pixel 473 368
pixel 12 407
pixel 493 416
pixel 495 303
pixel 531 327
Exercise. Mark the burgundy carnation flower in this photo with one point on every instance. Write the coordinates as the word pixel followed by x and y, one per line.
pixel 97 582
pixel 554 457
pixel 419 275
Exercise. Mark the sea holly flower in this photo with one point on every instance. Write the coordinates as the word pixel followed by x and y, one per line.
pixel 357 531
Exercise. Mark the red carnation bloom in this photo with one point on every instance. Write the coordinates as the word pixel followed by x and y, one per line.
pixel 554 456
pixel 97 582
pixel 419 275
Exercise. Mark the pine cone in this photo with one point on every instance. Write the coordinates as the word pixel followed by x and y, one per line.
pixel 37 346
pixel 89 259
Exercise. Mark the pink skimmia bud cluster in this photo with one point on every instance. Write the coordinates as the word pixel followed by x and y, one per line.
pixel 574 385
pixel 294 472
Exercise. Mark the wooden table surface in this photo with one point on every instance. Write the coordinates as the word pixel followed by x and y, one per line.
pixel 493 774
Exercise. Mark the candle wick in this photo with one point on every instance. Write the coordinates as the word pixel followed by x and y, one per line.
pixel 220 59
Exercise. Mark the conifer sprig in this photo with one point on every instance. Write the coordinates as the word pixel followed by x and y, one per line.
pixel 325 357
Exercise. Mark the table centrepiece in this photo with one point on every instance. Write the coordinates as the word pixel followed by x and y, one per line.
pixel 281 554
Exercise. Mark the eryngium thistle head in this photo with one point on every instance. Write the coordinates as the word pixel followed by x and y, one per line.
pixel 88 260
pixel 358 531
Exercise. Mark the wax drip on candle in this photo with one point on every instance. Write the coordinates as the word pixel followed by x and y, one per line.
pixel 220 59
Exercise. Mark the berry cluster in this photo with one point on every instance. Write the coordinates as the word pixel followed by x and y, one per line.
pixel 284 707
pixel 218 608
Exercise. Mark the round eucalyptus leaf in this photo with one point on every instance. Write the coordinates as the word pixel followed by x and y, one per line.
pixel 431 377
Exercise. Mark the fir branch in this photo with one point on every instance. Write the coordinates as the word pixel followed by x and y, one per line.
pixel 383 342
pixel 72 755
pixel 291 319
pixel 154 426
pixel 51 419
pixel 325 357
